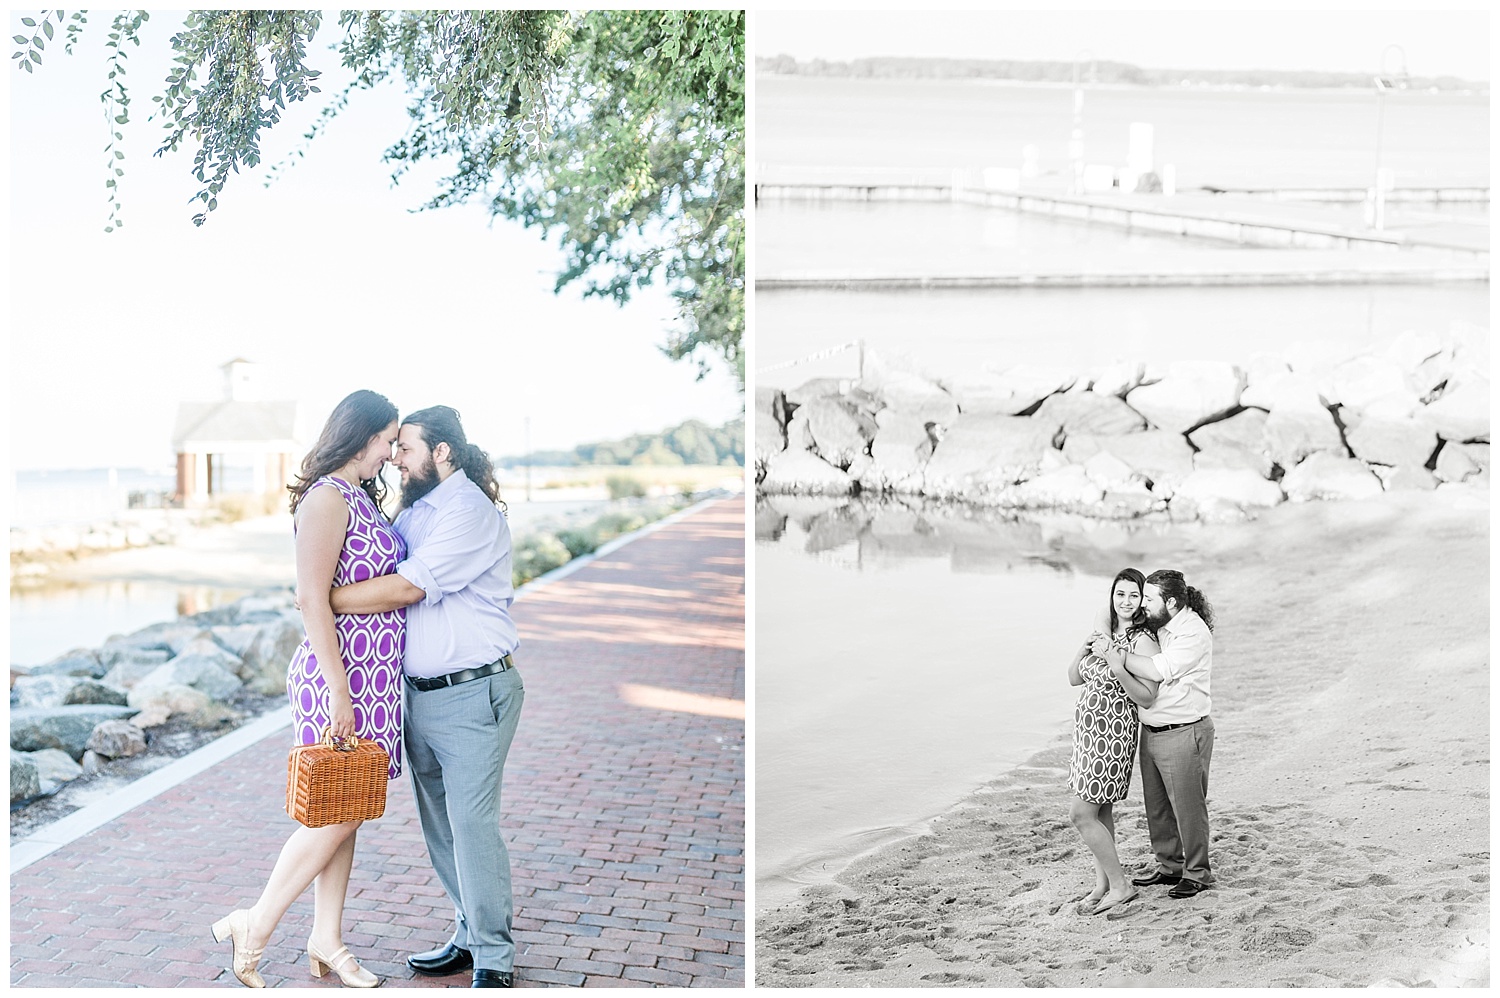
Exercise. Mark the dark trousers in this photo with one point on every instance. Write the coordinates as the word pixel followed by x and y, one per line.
pixel 1174 782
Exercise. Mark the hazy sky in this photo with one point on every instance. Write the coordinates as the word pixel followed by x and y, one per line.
pixel 327 279
pixel 1437 42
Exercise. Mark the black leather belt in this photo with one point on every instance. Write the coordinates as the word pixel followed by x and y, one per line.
pixel 1169 727
pixel 454 678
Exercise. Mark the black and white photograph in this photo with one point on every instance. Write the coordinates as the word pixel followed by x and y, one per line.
pixel 1121 461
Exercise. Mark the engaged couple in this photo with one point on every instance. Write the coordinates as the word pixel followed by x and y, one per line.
pixel 1145 678
pixel 409 644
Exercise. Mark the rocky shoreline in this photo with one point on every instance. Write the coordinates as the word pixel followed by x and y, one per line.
pixel 1195 439
pixel 161 690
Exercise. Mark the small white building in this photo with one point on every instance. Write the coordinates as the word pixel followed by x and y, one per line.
pixel 241 444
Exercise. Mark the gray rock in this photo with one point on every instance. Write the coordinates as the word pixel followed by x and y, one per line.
pixel 1090 412
pixel 1192 393
pixel 1462 414
pixel 53 765
pixel 1299 425
pixel 1402 443
pixel 1159 457
pixel 1326 476
pixel 917 398
pixel 203 672
pixel 132 656
pixel 87 691
pixel 66 728
pixel 263 669
pixel 42 691
pixel 235 638
pixel 78 662
pixel 797 471
pixel 1226 492
pixel 1460 462
pixel 1236 442
pixel 1067 487
pixel 205 646
pixel 24 780
pixel 126 674
pixel 900 451
pixel 1012 391
pixel 117 740
pixel 1288 388
pixel 1360 380
pixel 1405 479
pixel 840 431
pixel 92 762
pixel 981 455
pixel 770 424
pixel 816 388
pixel 158 703
pixel 1117 380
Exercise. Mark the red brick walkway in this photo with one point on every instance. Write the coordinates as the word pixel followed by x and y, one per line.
pixel 624 794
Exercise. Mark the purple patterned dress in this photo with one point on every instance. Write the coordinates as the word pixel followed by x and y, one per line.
pixel 371 644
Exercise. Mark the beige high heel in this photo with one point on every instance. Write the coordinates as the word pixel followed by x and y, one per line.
pixel 343 962
pixel 236 927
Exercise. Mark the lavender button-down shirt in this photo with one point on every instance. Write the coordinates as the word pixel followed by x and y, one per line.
pixel 458 553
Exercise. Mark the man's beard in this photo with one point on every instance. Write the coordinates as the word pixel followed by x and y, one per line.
pixel 1153 621
pixel 419 482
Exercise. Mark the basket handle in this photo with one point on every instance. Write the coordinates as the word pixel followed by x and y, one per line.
pixel 339 743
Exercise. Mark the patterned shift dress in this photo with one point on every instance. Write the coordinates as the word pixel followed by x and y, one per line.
pixel 371 644
pixel 1105 731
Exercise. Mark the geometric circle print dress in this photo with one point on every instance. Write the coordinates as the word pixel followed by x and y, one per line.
pixel 1105 731
pixel 371 644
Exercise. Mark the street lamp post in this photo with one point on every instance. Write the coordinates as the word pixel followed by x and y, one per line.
pixel 1384 82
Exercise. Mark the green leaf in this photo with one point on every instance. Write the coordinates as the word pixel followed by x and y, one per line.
pixel 28 22
pixel 26 66
pixel 18 39
pixel 121 119
pixel 47 28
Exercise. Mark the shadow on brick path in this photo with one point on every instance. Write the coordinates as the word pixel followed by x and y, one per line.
pixel 624 803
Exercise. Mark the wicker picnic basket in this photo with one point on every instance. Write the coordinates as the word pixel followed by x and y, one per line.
pixel 337 779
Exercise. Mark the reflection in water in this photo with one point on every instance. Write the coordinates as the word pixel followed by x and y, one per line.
pixel 48 621
pixel 906 652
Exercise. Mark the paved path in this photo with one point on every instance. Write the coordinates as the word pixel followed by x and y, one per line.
pixel 624 794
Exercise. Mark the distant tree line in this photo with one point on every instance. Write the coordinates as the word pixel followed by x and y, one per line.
pixel 692 442
pixel 1100 71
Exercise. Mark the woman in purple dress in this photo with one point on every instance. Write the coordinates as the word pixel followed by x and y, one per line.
pixel 345 677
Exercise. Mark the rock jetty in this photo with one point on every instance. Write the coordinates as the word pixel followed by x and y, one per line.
pixel 1194 440
pixel 70 715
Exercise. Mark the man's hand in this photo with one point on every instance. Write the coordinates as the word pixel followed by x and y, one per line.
pixel 1116 658
pixel 1101 644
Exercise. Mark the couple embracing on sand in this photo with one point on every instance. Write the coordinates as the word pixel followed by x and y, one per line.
pixel 1145 678
pixel 409 644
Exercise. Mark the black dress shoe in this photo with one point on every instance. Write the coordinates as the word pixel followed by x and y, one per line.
pixel 1156 877
pixel 446 959
pixel 1186 889
pixel 492 979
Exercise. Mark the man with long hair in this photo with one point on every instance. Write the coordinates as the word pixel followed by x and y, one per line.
pixel 463 693
pixel 1177 740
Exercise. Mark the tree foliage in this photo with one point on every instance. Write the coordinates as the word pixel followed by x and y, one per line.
pixel 690 442
pixel 619 131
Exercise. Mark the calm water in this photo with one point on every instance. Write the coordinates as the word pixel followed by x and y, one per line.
pixel 47 622
pixel 1224 138
pixel 903 659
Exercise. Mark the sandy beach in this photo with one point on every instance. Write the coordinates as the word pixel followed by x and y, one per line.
pixel 1349 795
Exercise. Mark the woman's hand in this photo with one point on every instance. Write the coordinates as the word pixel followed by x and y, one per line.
pixel 340 713
pixel 1101 644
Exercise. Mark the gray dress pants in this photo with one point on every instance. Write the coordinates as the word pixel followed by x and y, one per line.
pixel 1174 783
pixel 456 742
